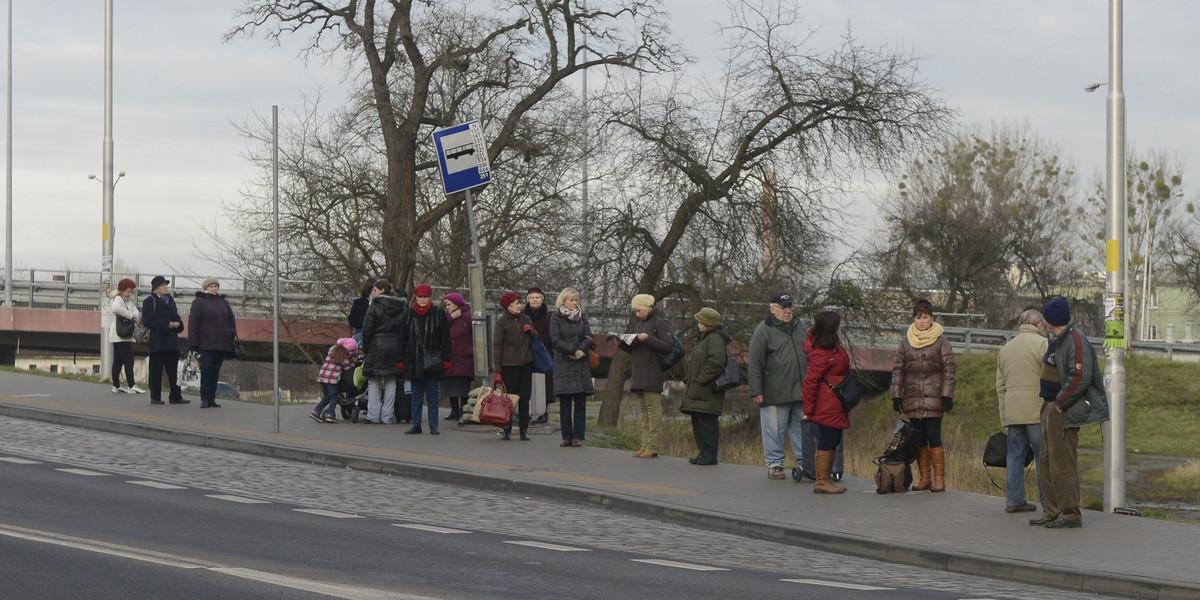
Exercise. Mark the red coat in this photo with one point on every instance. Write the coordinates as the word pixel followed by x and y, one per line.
pixel 821 405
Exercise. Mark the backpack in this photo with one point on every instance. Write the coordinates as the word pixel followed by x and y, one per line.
pixel 892 476
pixel 669 359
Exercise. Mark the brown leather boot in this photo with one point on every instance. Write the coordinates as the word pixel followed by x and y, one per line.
pixel 825 485
pixel 939 468
pixel 923 466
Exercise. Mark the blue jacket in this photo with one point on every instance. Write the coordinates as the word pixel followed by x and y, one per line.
pixel 158 312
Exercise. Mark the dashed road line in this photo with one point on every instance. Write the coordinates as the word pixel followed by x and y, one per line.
pixel 84 472
pixel 678 565
pixel 545 546
pixel 429 528
pixel 327 513
pixel 158 485
pixel 236 499
pixel 838 584
pixel 19 461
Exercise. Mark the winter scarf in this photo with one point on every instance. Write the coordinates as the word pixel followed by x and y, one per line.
pixel 920 339
pixel 571 315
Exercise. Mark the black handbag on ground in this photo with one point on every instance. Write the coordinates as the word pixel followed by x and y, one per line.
pixel 728 379
pixel 904 443
pixel 125 327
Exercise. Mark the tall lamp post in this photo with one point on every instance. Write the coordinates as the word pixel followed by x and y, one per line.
pixel 1116 257
pixel 106 267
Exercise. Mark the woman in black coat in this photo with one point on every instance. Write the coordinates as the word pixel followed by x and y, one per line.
pixel 212 330
pixel 161 317
pixel 427 354
pixel 382 346
pixel 570 339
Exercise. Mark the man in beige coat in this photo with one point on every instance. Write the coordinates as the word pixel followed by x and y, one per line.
pixel 1018 381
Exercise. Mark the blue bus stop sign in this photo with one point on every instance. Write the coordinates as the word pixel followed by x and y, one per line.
pixel 462 157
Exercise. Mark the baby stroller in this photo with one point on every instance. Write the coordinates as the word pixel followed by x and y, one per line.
pixel 352 398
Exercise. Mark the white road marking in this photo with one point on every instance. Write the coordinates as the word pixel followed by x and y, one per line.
pixel 83 472
pixel 337 590
pixel 545 546
pixel 430 528
pixel 158 485
pixel 19 461
pixel 326 513
pixel 236 499
pixel 677 565
pixel 838 584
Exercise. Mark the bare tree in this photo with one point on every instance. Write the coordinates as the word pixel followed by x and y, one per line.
pixel 500 63
pixel 982 219
pixel 703 153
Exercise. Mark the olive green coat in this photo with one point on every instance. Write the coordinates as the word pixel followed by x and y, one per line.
pixel 706 364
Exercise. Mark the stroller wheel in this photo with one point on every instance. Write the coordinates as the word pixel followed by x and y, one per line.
pixel 346 412
pixel 354 415
pixel 797 474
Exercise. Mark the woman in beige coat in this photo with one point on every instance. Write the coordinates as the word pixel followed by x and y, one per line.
pixel 923 389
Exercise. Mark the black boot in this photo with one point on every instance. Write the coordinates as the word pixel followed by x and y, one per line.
pixel 455 410
pixel 507 434
pixel 524 436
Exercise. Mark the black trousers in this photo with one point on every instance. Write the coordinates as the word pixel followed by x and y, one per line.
pixel 122 357
pixel 519 380
pixel 165 360
pixel 707 430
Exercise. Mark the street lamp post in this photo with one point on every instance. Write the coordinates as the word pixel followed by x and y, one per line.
pixel 106 268
pixel 1116 262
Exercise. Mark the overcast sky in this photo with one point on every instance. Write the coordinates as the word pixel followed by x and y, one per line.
pixel 178 90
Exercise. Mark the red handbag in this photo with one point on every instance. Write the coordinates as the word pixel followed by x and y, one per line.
pixel 496 408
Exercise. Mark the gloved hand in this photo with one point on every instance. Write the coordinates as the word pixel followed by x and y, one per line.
pixel 578 354
pixel 445 365
pixel 526 328
pixel 400 366
pixel 897 403
pixel 947 403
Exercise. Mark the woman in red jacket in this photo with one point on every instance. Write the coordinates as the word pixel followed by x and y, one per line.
pixel 828 365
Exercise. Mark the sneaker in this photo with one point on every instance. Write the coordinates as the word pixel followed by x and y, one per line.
pixel 314 416
pixel 133 389
pixel 120 390
pixel 330 418
pixel 776 473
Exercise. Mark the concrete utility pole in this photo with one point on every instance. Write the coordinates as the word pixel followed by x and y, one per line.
pixel 106 258
pixel 1116 260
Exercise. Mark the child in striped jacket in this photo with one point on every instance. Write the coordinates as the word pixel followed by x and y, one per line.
pixel 338 359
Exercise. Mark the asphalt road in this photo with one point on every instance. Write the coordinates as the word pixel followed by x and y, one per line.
pixel 96 515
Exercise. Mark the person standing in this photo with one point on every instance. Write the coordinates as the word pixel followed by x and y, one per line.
pixel 358 310
pixel 539 317
pixel 123 305
pixel 776 374
pixel 700 401
pixel 1080 401
pixel 651 339
pixel 828 365
pixel 923 389
pixel 570 339
pixel 456 385
pixel 212 330
pixel 513 357
pixel 381 347
pixel 161 316
pixel 428 349
pixel 1018 383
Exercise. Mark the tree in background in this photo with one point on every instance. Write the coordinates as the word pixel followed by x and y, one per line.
pixel 1153 225
pixel 979 223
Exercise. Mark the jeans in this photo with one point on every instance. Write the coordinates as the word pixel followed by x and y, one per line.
pixel 210 372
pixel 775 420
pixel 1022 439
pixel 381 399
pixel 168 361
pixel 572 415
pixel 329 402
pixel 425 391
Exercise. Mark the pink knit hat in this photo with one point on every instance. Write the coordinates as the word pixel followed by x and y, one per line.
pixel 349 344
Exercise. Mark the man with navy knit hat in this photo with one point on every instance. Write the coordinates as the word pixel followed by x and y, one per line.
pixel 1081 401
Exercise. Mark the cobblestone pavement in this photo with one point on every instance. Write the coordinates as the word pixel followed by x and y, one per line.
pixel 373 495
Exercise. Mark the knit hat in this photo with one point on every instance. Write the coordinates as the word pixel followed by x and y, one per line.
pixel 922 306
pixel 208 282
pixel 456 299
pixel 1057 311
pixel 126 284
pixel 159 280
pixel 349 344
pixel 424 290
pixel 642 302
pixel 508 298
pixel 708 316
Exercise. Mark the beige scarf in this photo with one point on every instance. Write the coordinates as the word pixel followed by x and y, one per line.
pixel 920 339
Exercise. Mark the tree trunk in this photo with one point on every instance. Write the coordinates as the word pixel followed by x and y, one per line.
pixel 614 390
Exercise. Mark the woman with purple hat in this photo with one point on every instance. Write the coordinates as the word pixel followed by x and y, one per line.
pixel 456 385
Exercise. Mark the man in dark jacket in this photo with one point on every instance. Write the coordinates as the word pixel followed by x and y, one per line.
pixel 1081 401
pixel 161 317
pixel 777 368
